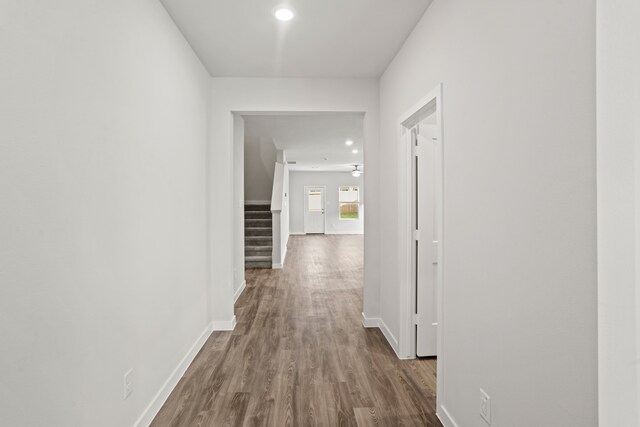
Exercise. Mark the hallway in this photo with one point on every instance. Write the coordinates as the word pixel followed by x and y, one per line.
pixel 299 355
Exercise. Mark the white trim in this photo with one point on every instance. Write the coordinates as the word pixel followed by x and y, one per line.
pixel 393 342
pixel 224 325
pixel 280 266
pixel 161 396
pixel 370 322
pixel 257 202
pixel 239 291
pixel 377 322
pixel 407 333
pixel 445 418
pixel 354 233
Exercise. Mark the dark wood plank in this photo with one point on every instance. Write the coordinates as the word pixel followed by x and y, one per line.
pixel 299 355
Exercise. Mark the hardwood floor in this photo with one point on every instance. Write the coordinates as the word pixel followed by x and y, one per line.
pixel 299 355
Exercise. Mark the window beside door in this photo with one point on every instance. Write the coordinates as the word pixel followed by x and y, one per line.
pixel 349 200
pixel 314 202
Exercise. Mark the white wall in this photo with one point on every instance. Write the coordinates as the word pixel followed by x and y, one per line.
pixel 290 95
pixel 238 194
pixel 331 180
pixel 259 164
pixel 519 226
pixel 618 200
pixel 280 211
pixel 102 215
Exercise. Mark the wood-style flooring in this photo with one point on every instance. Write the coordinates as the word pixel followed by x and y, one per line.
pixel 299 355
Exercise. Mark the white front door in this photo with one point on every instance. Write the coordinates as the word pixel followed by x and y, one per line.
pixel 427 175
pixel 314 210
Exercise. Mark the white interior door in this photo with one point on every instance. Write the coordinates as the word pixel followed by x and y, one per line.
pixel 314 210
pixel 427 173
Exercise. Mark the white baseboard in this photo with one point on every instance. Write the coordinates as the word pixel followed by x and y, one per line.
pixel 161 396
pixel 445 418
pixel 239 291
pixel 257 202
pixel 393 342
pixel 355 233
pixel 224 325
pixel 329 233
pixel 279 266
pixel 377 322
pixel 370 322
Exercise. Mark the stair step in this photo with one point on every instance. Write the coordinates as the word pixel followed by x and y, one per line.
pixel 249 241
pixel 257 208
pixel 258 247
pixel 258 261
pixel 260 251
pixel 258 264
pixel 258 231
pixel 258 258
pixel 257 222
pixel 257 215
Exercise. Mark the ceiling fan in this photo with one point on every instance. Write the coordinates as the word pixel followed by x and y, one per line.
pixel 356 172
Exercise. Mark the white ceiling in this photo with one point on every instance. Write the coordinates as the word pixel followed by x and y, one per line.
pixel 310 138
pixel 327 38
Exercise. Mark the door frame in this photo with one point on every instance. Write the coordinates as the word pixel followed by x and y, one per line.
pixel 324 207
pixel 407 336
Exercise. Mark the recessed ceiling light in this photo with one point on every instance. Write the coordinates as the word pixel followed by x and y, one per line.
pixel 349 143
pixel 355 151
pixel 284 14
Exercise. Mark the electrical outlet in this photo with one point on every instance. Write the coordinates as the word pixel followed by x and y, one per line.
pixel 485 406
pixel 128 383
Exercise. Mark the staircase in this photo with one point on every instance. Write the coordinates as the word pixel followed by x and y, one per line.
pixel 258 241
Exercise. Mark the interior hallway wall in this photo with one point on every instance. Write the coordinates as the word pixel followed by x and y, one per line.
pixel 519 203
pixel 331 181
pixel 103 229
pixel 618 209
pixel 239 192
pixel 259 166
pixel 289 95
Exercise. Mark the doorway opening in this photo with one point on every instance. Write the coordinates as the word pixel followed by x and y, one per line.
pixel 295 173
pixel 421 157
pixel 314 209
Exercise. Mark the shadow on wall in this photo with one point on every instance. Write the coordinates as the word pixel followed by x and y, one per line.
pixel 259 166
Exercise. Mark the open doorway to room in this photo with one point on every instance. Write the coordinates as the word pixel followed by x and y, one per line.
pixel 303 175
pixel 295 174
pixel 421 242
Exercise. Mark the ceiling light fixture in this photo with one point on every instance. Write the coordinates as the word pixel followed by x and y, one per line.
pixel 355 151
pixel 283 14
pixel 349 143
pixel 356 172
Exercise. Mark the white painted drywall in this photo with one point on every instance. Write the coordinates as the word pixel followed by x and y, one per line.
pixel 618 70
pixel 103 230
pixel 257 94
pixel 332 181
pixel 519 195
pixel 238 194
pixel 280 211
pixel 259 164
